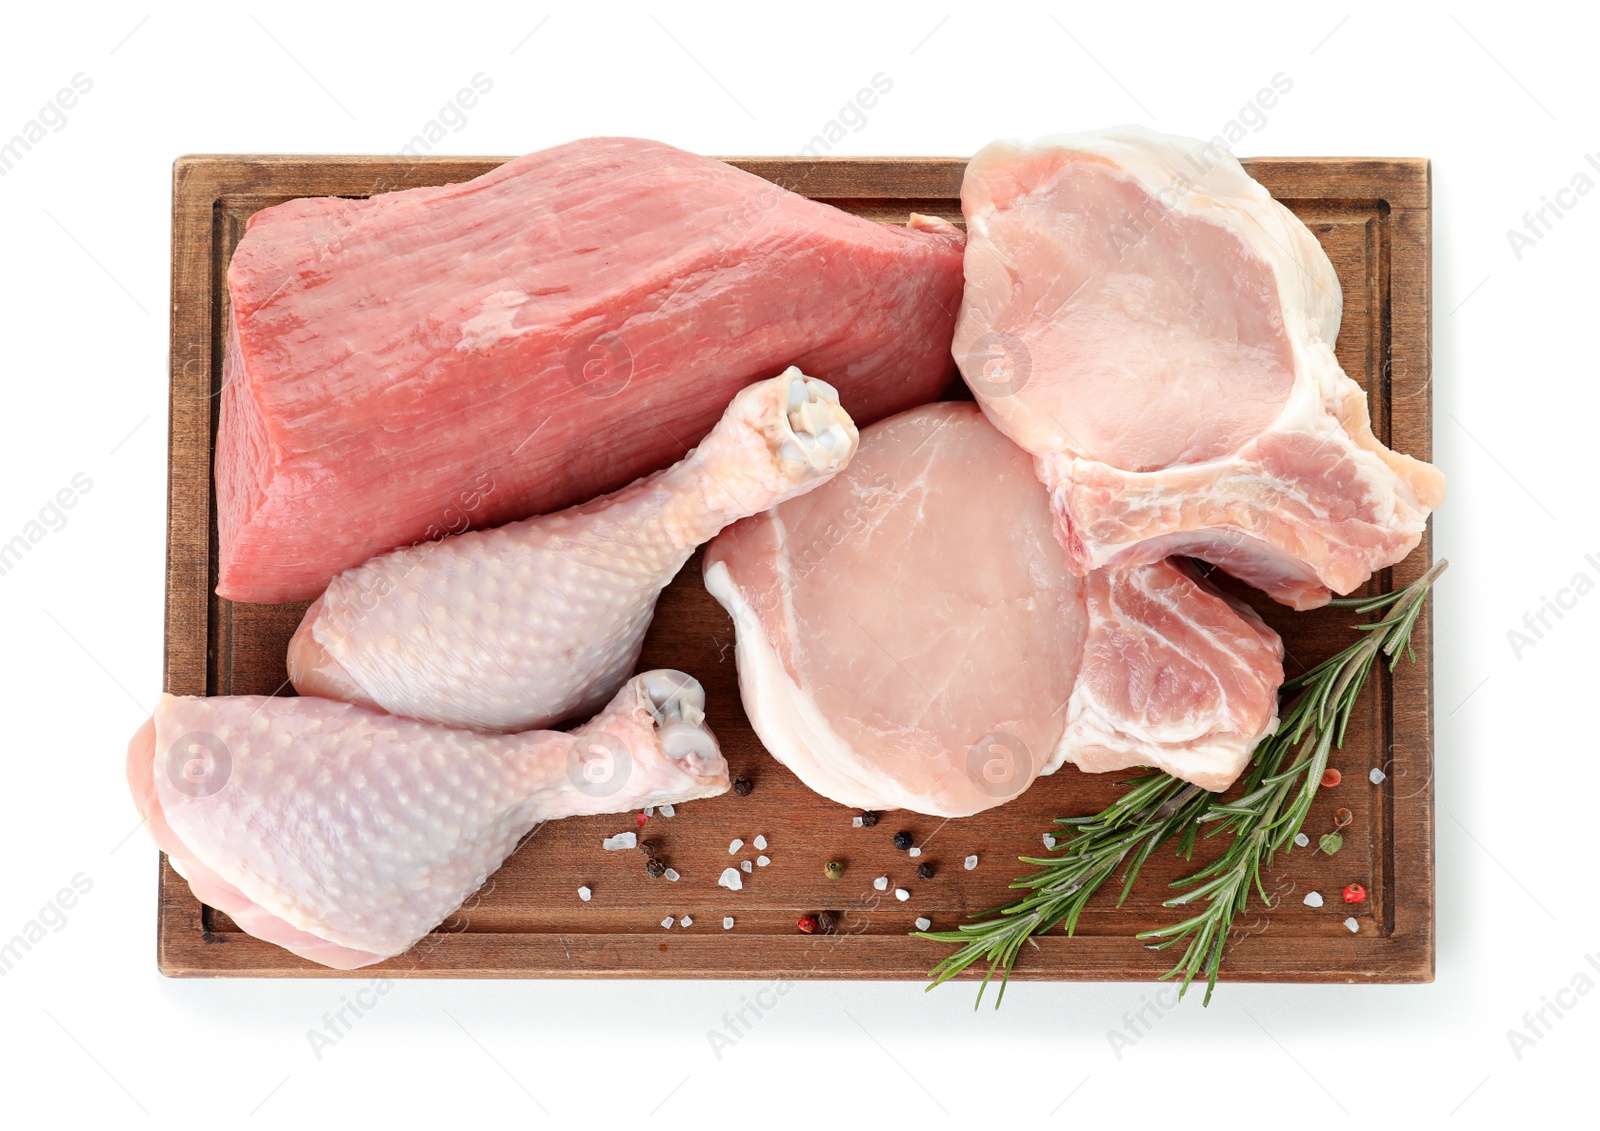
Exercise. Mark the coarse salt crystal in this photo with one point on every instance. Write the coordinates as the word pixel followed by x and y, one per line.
pixel 1301 840
pixel 1352 924
pixel 735 845
pixel 760 842
pixel 1313 899
pixel 913 851
pixel 762 861
pixel 923 924
pixel 668 811
pixel 686 922
pixel 1049 841
pixel 649 810
pixel 881 883
pixel 731 879
pixel 671 874
pixel 585 894
pixel 747 866
pixel 1377 776
pixel 727 922
pixel 970 863
pixel 620 841
pixel 902 894
pixel 855 822
pixel 667 923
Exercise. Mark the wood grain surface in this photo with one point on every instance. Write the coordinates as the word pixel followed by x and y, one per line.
pixel 1372 216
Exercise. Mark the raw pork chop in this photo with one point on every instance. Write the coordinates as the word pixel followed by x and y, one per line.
pixel 426 361
pixel 542 620
pixel 909 635
pixel 1158 331
pixel 344 835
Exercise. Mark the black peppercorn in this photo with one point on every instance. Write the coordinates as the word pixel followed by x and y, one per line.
pixel 742 786
pixel 828 921
pixel 902 840
pixel 649 847
pixel 655 868
pixel 869 818
pixel 924 871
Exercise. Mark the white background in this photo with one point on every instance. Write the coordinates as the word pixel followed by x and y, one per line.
pixel 1501 99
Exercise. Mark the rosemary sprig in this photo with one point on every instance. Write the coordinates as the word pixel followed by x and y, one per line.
pixel 1285 773
pixel 1156 809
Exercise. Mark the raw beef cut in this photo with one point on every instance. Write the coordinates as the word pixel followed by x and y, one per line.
pixel 542 620
pixel 1146 320
pixel 344 835
pixel 426 361
pixel 908 634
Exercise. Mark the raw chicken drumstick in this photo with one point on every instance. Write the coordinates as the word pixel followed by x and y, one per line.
pixel 539 621
pixel 344 835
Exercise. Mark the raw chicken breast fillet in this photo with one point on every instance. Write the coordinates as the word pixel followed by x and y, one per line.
pixel 438 359
pixel 540 621
pixel 1146 320
pixel 344 835
pixel 909 636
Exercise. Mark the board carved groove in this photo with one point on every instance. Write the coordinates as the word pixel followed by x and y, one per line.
pixel 1372 216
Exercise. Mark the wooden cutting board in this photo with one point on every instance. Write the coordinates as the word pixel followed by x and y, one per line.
pixel 1373 218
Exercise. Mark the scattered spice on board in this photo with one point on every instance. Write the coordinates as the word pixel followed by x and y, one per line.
pixel 902 840
pixel 924 871
pixel 807 924
pixel 1355 893
pixel 1331 777
pixel 742 786
pixel 833 869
